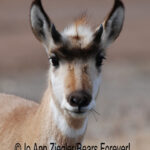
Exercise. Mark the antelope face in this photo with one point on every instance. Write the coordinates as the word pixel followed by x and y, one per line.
pixel 75 78
pixel 76 56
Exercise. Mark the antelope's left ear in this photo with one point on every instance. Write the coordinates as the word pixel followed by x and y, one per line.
pixel 112 26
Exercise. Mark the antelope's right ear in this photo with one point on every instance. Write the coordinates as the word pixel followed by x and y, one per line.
pixel 42 27
pixel 110 29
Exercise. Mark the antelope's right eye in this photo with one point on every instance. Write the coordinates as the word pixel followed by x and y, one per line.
pixel 54 60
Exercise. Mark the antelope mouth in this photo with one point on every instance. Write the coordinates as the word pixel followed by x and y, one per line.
pixel 77 112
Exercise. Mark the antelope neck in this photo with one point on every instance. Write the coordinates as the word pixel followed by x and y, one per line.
pixel 58 126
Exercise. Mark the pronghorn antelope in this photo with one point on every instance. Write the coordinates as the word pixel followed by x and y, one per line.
pixel 75 57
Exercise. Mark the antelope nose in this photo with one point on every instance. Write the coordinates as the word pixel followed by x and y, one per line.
pixel 79 99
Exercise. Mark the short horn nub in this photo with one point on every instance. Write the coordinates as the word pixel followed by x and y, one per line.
pixel 98 34
pixel 55 34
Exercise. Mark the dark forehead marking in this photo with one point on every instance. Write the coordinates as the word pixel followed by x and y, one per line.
pixel 65 53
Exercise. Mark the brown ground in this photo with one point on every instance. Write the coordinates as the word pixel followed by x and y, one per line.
pixel 124 99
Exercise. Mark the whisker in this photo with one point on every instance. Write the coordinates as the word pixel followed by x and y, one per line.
pixel 94 116
pixel 96 112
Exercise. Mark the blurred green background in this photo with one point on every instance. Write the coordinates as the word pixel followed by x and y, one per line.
pixel 124 97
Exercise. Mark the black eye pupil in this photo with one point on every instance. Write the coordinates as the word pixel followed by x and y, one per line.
pixel 99 60
pixel 55 61
pixel 98 63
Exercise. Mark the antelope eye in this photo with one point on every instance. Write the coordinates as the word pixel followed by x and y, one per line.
pixel 99 59
pixel 54 60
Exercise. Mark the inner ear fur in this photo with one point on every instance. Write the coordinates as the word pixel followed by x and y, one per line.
pixel 40 21
pixel 42 27
pixel 113 23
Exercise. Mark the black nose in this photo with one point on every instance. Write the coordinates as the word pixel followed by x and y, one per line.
pixel 79 98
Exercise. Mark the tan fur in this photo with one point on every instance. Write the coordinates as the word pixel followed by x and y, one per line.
pixel 14 113
pixel 55 119
pixel 72 122
pixel 86 82
pixel 81 20
pixel 26 121
pixel 70 79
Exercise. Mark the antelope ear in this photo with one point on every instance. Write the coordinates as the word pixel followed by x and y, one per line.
pixel 42 27
pixel 40 22
pixel 113 24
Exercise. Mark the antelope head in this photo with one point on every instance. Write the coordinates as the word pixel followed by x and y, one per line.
pixel 76 56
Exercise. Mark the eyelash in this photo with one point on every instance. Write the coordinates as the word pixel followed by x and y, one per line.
pixel 99 60
pixel 54 60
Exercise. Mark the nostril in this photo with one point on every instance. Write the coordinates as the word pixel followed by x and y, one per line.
pixel 85 101
pixel 79 98
pixel 74 101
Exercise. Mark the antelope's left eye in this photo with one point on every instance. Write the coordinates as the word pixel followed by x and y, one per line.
pixel 54 60
pixel 99 59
